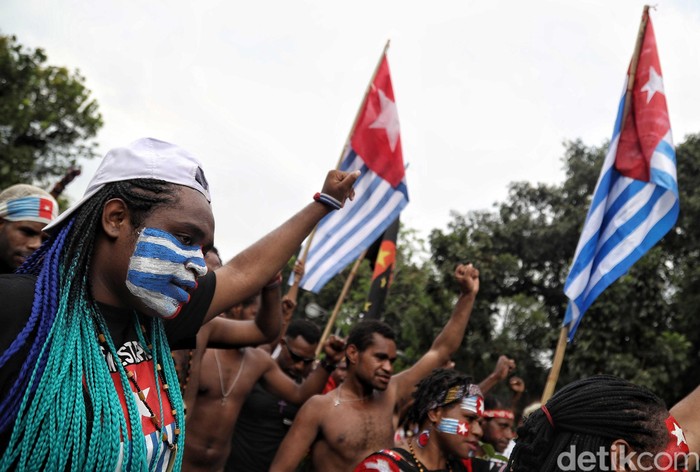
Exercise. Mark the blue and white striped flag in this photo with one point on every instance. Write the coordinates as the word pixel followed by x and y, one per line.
pixel 635 202
pixel 380 191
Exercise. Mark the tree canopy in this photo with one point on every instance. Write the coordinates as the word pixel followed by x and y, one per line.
pixel 47 116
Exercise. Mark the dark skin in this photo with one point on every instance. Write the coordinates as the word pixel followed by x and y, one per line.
pixel 349 423
pixel 18 241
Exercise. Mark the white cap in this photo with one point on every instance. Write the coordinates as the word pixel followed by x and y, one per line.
pixel 146 158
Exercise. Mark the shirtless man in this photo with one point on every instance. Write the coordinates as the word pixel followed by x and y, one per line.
pixel 349 423
pixel 227 376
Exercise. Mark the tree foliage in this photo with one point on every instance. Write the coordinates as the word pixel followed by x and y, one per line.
pixel 47 117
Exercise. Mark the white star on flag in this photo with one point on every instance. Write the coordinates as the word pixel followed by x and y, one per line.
pixel 462 429
pixel 380 465
pixel 388 119
pixel 142 408
pixel 654 84
pixel 678 433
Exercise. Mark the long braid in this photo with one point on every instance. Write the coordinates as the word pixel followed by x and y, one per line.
pixel 65 374
pixel 589 415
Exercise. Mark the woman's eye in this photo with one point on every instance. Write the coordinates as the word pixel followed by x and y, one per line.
pixel 184 239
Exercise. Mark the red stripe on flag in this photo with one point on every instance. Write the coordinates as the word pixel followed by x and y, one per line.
pixel 647 121
pixel 377 137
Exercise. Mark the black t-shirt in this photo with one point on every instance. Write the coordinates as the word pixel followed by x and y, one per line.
pixel 17 294
pixel 260 427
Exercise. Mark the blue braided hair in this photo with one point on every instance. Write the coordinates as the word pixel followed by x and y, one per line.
pixel 63 409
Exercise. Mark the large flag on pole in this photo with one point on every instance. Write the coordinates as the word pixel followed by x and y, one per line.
pixel 374 148
pixel 383 259
pixel 635 202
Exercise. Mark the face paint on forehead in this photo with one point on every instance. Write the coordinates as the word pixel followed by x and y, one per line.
pixel 473 404
pixel 453 426
pixel 676 451
pixel 162 269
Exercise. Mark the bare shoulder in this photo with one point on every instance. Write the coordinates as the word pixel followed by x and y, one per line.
pixel 316 406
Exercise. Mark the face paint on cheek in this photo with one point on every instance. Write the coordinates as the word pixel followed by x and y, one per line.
pixel 453 426
pixel 676 452
pixel 162 269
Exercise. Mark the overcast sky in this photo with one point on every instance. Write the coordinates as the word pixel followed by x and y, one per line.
pixel 265 92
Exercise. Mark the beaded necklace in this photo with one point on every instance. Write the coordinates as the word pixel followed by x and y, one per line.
pixel 148 347
pixel 419 464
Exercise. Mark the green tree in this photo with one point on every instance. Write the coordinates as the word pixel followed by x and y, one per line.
pixel 47 117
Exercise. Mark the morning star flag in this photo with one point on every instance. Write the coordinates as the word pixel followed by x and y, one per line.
pixel 635 202
pixel 383 258
pixel 380 192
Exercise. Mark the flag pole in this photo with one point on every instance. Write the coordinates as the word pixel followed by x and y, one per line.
pixel 294 289
pixel 556 365
pixel 558 359
pixel 339 302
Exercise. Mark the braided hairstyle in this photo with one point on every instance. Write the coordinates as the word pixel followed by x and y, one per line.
pixel 63 410
pixel 430 389
pixel 588 415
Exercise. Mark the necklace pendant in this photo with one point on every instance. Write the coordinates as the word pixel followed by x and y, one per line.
pixel 223 401
pixel 336 402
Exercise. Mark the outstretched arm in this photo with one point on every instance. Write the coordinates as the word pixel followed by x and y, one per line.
pixel 250 270
pixel 449 339
pixel 686 412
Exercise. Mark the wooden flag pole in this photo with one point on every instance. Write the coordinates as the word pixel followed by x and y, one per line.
pixel 564 334
pixel 556 365
pixel 294 289
pixel 339 302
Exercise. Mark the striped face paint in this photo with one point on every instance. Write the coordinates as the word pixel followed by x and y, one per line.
pixel 162 269
pixel 453 426
pixel 473 404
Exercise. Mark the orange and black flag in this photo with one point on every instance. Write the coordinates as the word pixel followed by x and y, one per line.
pixel 382 255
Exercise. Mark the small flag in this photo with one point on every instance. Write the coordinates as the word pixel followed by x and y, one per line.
pixel 381 193
pixel 635 202
pixel 384 257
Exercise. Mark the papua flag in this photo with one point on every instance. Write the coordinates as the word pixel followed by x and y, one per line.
pixel 635 202
pixel 384 258
pixel 380 191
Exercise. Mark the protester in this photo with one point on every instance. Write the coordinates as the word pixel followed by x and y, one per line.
pixel 228 376
pixel 265 417
pixel 447 409
pixel 354 420
pixel 24 212
pixel 600 423
pixel 498 426
pixel 686 412
pixel 337 376
pixel 80 387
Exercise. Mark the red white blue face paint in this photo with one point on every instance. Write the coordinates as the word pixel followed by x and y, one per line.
pixel 162 269
pixel 473 404
pixel 453 426
pixel 675 456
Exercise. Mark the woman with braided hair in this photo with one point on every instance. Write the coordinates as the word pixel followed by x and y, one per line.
pixel 86 377
pixel 447 408
pixel 600 423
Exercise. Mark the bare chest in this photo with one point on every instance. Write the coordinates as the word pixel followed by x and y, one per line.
pixel 354 430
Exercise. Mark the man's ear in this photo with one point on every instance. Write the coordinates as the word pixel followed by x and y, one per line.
pixel 619 455
pixel 115 218
pixel 352 353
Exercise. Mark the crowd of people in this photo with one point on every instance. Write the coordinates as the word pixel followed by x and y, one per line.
pixel 128 344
